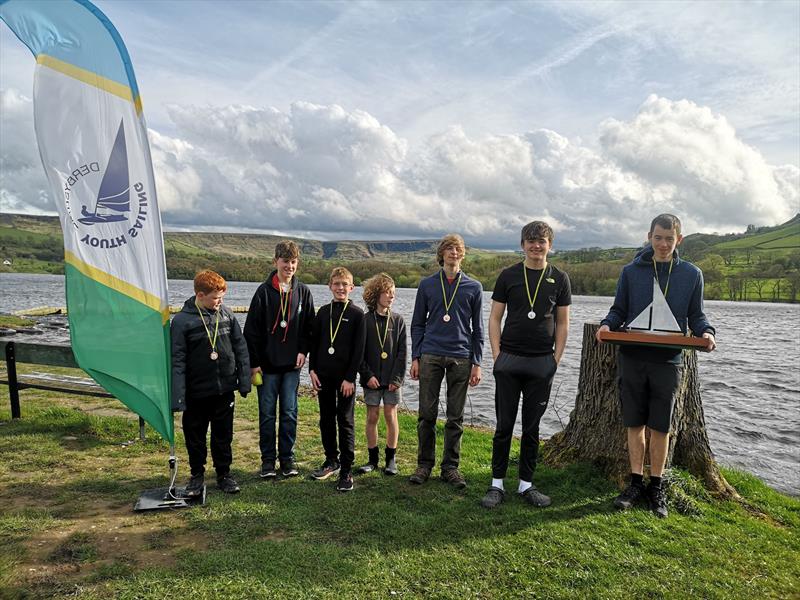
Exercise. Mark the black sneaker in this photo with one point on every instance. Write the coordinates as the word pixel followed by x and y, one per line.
pixel 228 484
pixel 289 469
pixel 345 483
pixel 657 498
pixel 367 468
pixel 454 477
pixel 328 468
pixel 267 470
pixel 535 498
pixel 390 468
pixel 493 498
pixel 194 488
pixel 420 476
pixel 630 496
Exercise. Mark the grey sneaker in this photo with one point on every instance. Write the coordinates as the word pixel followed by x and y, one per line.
pixel 657 498
pixel 267 470
pixel 420 476
pixel 493 498
pixel 535 498
pixel 228 484
pixel 629 496
pixel 328 468
pixel 367 468
pixel 194 488
pixel 453 477
pixel 391 467
pixel 289 469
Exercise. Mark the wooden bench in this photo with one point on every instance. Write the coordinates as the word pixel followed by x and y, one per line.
pixel 52 355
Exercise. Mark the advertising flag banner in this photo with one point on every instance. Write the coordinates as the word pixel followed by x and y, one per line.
pixel 93 144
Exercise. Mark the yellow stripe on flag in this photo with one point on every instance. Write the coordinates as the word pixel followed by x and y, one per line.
pixel 90 78
pixel 118 285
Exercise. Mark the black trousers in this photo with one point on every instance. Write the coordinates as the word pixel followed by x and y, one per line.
pixel 218 412
pixel 336 409
pixel 533 377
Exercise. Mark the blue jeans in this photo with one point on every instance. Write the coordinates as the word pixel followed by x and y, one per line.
pixel 283 386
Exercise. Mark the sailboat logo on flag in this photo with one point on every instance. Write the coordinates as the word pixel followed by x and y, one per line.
pixel 114 198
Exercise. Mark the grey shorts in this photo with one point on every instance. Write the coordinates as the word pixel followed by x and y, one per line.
pixel 374 397
pixel 647 392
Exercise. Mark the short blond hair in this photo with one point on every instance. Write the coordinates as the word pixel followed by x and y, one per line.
pixel 341 273
pixel 374 287
pixel 451 239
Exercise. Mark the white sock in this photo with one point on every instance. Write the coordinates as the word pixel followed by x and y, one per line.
pixel 498 483
pixel 523 486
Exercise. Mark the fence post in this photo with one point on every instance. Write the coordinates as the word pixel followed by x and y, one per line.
pixel 13 386
pixel 141 428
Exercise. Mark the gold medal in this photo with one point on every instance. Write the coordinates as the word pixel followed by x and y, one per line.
pixel 382 338
pixel 446 318
pixel 384 355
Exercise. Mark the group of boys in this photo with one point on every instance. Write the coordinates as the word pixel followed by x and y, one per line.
pixel 213 357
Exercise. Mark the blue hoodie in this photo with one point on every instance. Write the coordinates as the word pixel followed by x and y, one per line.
pixel 635 293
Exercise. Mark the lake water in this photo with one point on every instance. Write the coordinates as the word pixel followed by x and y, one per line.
pixel 750 385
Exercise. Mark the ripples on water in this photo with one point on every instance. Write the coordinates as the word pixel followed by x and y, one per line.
pixel 750 385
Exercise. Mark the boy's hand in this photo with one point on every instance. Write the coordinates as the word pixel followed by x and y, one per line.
pixel 414 371
pixel 597 335
pixel 301 360
pixel 712 343
pixel 393 387
pixel 373 383
pixel 255 370
pixel 348 389
pixel 315 380
pixel 475 375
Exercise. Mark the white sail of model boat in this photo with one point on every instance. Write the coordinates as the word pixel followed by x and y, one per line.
pixel 657 317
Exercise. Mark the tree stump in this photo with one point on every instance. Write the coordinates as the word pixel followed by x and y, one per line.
pixel 595 432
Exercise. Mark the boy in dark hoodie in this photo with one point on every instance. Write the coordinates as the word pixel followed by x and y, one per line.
pixel 278 334
pixel 209 362
pixel 649 377
pixel 337 348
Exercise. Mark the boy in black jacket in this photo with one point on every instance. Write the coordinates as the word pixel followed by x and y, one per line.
pixel 278 334
pixel 383 368
pixel 337 348
pixel 209 362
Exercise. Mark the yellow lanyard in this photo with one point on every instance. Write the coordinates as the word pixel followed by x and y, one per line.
pixel 208 332
pixel 330 323
pixel 284 304
pixel 528 289
pixel 382 340
pixel 447 304
pixel 666 289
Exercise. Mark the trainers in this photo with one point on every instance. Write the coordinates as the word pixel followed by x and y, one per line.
pixel 228 484
pixel 390 468
pixel 453 477
pixel 367 468
pixel 289 469
pixel 345 483
pixel 420 476
pixel 630 496
pixel 267 470
pixel 494 496
pixel 535 498
pixel 328 468
pixel 194 488
pixel 657 498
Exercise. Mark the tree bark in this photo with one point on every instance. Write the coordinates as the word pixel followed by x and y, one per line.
pixel 595 432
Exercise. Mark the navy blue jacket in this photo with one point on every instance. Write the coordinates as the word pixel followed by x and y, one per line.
pixel 462 336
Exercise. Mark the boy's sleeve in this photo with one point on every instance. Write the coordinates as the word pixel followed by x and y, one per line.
pixel 477 326
pixel 618 312
pixel 254 328
pixel 418 320
pixel 307 325
pixel 359 341
pixel 399 371
pixel 178 336
pixel 242 358
pixel 698 322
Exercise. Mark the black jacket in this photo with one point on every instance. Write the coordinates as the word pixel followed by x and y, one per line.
pixel 348 346
pixel 272 347
pixel 387 370
pixel 194 374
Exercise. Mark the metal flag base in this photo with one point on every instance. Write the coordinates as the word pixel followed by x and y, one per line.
pixel 168 498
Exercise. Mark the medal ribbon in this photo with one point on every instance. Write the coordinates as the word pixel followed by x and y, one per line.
pixel 382 340
pixel 330 323
pixel 447 304
pixel 527 287
pixel 208 332
pixel 666 289
pixel 285 307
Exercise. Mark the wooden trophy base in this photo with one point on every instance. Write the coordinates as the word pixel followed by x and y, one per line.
pixel 641 338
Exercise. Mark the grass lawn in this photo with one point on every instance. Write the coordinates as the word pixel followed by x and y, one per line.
pixel 71 469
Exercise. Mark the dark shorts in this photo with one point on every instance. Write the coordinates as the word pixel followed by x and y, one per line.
pixel 647 392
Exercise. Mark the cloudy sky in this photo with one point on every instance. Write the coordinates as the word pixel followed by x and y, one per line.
pixel 379 120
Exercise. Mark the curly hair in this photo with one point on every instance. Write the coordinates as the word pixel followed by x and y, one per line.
pixel 451 239
pixel 209 281
pixel 374 287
